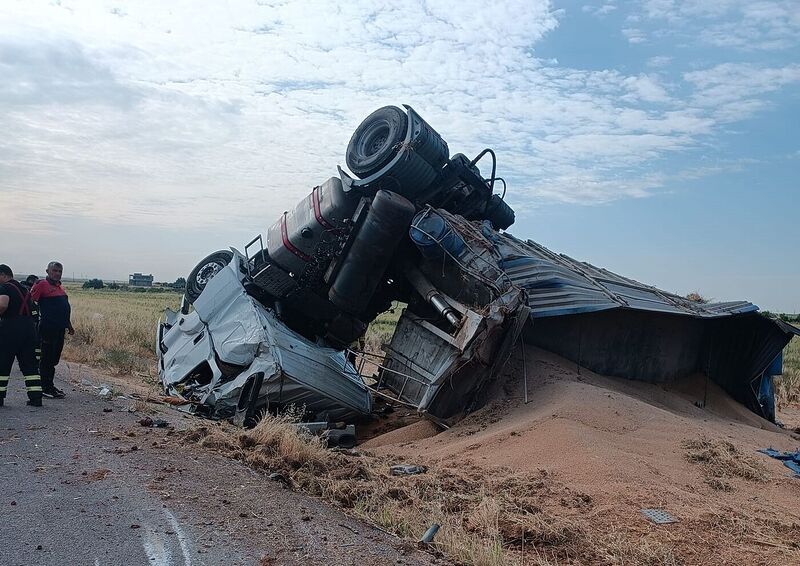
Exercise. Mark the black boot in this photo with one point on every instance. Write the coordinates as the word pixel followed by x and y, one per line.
pixel 37 402
pixel 2 400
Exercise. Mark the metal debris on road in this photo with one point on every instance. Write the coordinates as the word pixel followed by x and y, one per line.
pixel 157 423
pixel 659 516
pixel 427 538
pixel 407 470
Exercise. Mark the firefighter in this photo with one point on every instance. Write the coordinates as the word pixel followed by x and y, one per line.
pixel 17 337
pixel 29 282
pixel 54 312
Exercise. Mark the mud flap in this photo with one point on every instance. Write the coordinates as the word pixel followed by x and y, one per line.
pixel 247 407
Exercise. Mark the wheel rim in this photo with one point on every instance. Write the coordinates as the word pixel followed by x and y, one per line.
pixel 374 139
pixel 206 272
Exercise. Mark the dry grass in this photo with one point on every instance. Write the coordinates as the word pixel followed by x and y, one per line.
pixel 274 444
pixel 787 387
pixel 381 329
pixel 721 460
pixel 619 549
pixel 500 518
pixel 750 530
pixel 115 329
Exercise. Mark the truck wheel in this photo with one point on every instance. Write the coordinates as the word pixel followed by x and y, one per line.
pixel 374 142
pixel 204 271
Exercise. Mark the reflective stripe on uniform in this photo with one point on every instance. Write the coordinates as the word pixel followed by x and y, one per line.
pixel 33 383
pixel 3 383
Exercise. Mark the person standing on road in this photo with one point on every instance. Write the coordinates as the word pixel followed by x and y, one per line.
pixel 29 282
pixel 54 312
pixel 17 337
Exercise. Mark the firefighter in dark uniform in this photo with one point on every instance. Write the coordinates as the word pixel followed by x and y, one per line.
pixel 17 337
pixel 29 282
pixel 53 324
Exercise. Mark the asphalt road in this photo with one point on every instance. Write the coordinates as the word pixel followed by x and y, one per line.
pixel 82 483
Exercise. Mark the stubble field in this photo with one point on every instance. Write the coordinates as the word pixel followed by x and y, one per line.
pixel 115 329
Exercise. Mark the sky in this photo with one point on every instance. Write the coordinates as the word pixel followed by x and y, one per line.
pixel 656 138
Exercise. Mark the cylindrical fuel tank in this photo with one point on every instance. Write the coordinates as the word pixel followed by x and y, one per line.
pixel 384 227
pixel 293 240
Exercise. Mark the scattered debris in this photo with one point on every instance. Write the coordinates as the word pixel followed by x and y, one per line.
pixel 790 459
pixel 658 516
pixel 107 409
pixel 349 528
pixel 336 435
pixel 277 476
pixel 407 470
pixel 104 392
pixel 153 423
pixel 427 538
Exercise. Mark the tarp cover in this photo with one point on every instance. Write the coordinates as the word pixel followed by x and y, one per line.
pixel 617 326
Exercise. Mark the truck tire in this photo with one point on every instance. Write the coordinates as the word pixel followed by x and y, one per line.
pixel 374 143
pixel 204 271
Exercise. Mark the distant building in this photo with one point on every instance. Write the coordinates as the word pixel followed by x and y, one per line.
pixel 140 280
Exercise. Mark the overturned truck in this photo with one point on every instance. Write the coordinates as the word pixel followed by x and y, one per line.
pixel 275 325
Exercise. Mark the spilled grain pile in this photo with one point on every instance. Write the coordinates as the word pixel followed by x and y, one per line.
pixel 560 480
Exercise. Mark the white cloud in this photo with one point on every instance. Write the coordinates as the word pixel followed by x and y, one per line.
pixel 646 88
pixel 634 35
pixel 601 10
pixel 733 91
pixel 761 25
pixel 132 112
pixel 659 61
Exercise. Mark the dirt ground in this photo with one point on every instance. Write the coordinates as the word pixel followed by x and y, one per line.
pixel 563 478
pixel 790 417
pixel 596 450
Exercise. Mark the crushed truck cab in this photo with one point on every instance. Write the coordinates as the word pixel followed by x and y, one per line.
pixel 231 357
